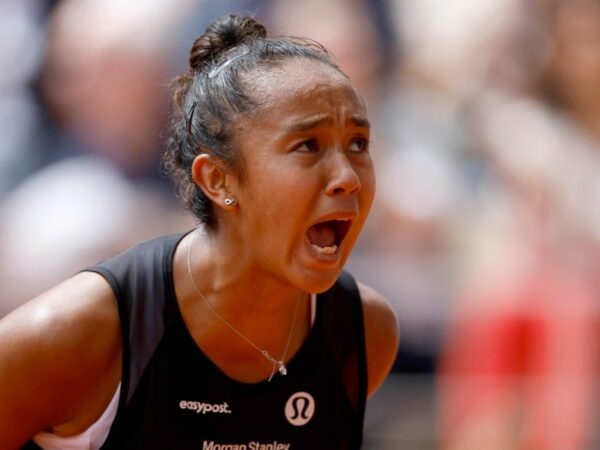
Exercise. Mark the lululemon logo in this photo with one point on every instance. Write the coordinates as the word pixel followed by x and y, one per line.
pixel 300 408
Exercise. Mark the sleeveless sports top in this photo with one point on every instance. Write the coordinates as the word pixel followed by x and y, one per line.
pixel 174 397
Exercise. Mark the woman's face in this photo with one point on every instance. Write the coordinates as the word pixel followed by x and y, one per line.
pixel 308 180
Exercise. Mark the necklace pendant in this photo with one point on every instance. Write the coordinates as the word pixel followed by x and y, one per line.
pixel 281 367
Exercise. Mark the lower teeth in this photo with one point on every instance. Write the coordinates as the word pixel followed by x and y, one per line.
pixel 326 250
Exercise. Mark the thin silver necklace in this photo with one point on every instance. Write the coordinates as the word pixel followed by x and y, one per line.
pixel 278 364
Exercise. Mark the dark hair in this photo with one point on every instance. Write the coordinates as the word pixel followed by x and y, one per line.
pixel 214 92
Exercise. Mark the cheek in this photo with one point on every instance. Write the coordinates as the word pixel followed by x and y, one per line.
pixel 368 187
pixel 271 215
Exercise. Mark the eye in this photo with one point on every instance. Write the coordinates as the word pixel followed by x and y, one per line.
pixel 359 145
pixel 309 146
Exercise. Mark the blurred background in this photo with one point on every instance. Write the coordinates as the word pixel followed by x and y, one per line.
pixel 485 233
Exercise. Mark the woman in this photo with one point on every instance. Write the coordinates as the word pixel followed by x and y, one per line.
pixel 215 339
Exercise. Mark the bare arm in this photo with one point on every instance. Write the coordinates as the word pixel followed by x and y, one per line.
pixel 59 360
pixel 381 334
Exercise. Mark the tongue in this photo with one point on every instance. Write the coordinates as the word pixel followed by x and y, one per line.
pixel 321 235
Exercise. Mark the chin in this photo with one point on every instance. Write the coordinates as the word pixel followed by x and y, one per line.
pixel 317 281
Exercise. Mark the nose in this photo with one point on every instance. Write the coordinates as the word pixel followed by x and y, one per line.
pixel 343 177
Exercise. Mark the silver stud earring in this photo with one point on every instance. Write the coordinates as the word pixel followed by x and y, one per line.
pixel 230 201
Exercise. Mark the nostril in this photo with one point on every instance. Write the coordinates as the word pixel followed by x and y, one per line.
pixel 347 182
pixel 345 190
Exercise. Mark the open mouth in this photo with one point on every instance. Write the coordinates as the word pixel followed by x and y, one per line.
pixel 327 236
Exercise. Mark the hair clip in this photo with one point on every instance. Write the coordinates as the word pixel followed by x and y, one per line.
pixel 217 70
pixel 188 124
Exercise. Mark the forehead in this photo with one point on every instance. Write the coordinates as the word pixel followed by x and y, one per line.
pixel 301 87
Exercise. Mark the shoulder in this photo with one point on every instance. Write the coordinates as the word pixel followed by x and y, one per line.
pixel 381 335
pixel 59 357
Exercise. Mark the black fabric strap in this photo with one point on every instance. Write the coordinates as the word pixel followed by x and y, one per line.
pixel 141 302
pixel 344 330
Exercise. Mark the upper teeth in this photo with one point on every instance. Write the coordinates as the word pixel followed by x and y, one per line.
pixel 326 250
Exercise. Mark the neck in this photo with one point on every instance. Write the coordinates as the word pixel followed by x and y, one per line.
pixel 225 274
pixel 225 308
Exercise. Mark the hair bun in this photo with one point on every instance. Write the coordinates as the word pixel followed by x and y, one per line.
pixel 221 35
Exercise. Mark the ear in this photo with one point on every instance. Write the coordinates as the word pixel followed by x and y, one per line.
pixel 211 178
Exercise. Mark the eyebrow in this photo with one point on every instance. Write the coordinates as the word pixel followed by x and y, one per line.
pixel 320 119
pixel 360 121
pixel 309 124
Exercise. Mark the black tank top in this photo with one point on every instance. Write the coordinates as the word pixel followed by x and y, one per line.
pixel 174 397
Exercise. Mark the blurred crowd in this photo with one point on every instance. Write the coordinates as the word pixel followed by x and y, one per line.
pixel 486 138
